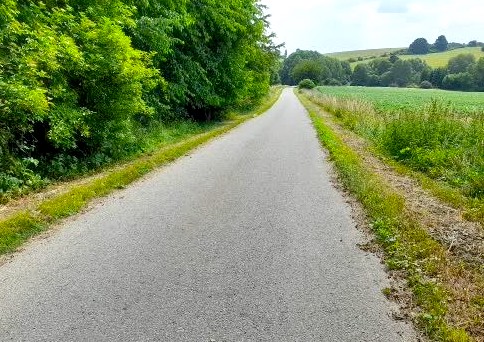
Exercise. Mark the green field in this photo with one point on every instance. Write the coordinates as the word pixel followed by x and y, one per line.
pixel 439 133
pixel 436 60
pixel 393 99
pixel 345 55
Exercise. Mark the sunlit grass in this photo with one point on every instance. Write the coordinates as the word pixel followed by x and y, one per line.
pixel 19 227
pixel 443 307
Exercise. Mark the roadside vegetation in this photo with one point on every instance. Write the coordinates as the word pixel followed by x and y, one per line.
pixel 446 299
pixel 438 135
pixel 84 84
pixel 30 216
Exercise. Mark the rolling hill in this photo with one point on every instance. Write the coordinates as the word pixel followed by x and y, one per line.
pixel 435 60
pixel 441 59
pixel 345 55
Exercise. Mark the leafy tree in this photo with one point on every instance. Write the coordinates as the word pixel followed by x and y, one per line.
pixel 294 59
pixel 307 84
pixel 461 81
pixel 437 76
pixel 307 69
pixel 393 58
pixel 402 73
pixel 420 46
pixel 380 65
pixel 472 43
pixel 361 75
pixel 441 44
pixel 460 63
pixel 310 64
pixel 478 73
pixel 78 77
pixel 426 85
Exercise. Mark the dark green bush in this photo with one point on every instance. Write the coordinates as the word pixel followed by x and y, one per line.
pixel 79 79
pixel 426 85
pixel 306 84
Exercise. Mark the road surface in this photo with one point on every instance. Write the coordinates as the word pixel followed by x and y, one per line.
pixel 246 239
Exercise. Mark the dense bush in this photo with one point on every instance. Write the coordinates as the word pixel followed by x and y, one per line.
pixel 434 137
pixel 426 85
pixel 80 79
pixel 312 65
pixel 307 84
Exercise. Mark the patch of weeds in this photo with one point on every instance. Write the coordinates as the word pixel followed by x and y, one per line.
pixel 17 229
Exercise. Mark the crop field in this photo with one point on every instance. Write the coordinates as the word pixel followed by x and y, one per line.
pixel 394 99
pixel 362 53
pixel 436 132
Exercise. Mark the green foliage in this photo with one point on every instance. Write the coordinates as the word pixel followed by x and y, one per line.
pixel 312 65
pixel 360 75
pixel 80 79
pixel 461 63
pixel 177 141
pixel 462 81
pixel 426 85
pixel 420 46
pixel 307 70
pixel 441 43
pixel 391 71
pixel 407 245
pixel 292 60
pixel 307 84
pixel 421 129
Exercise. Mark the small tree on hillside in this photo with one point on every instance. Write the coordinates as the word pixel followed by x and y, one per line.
pixel 441 44
pixel 420 46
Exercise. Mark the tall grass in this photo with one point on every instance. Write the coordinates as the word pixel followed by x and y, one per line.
pixel 433 139
pixel 447 297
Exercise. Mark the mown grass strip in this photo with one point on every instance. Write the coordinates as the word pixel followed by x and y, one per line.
pixel 21 226
pixel 408 247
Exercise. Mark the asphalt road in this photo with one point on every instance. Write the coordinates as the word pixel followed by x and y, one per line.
pixel 246 239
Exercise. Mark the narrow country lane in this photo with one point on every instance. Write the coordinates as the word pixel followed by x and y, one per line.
pixel 246 239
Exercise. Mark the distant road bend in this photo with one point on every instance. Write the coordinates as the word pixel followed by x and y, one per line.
pixel 246 239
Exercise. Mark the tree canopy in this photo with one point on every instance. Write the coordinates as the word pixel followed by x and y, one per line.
pixel 312 65
pixel 441 44
pixel 78 75
pixel 420 46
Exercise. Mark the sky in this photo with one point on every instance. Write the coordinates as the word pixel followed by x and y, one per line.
pixel 345 25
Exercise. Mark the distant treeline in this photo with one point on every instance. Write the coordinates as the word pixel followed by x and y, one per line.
pixel 77 77
pixel 421 46
pixel 463 72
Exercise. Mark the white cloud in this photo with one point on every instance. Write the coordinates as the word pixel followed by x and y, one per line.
pixel 331 25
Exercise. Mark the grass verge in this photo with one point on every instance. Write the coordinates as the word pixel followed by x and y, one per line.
pixel 447 297
pixel 20 226
pixel 439 148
